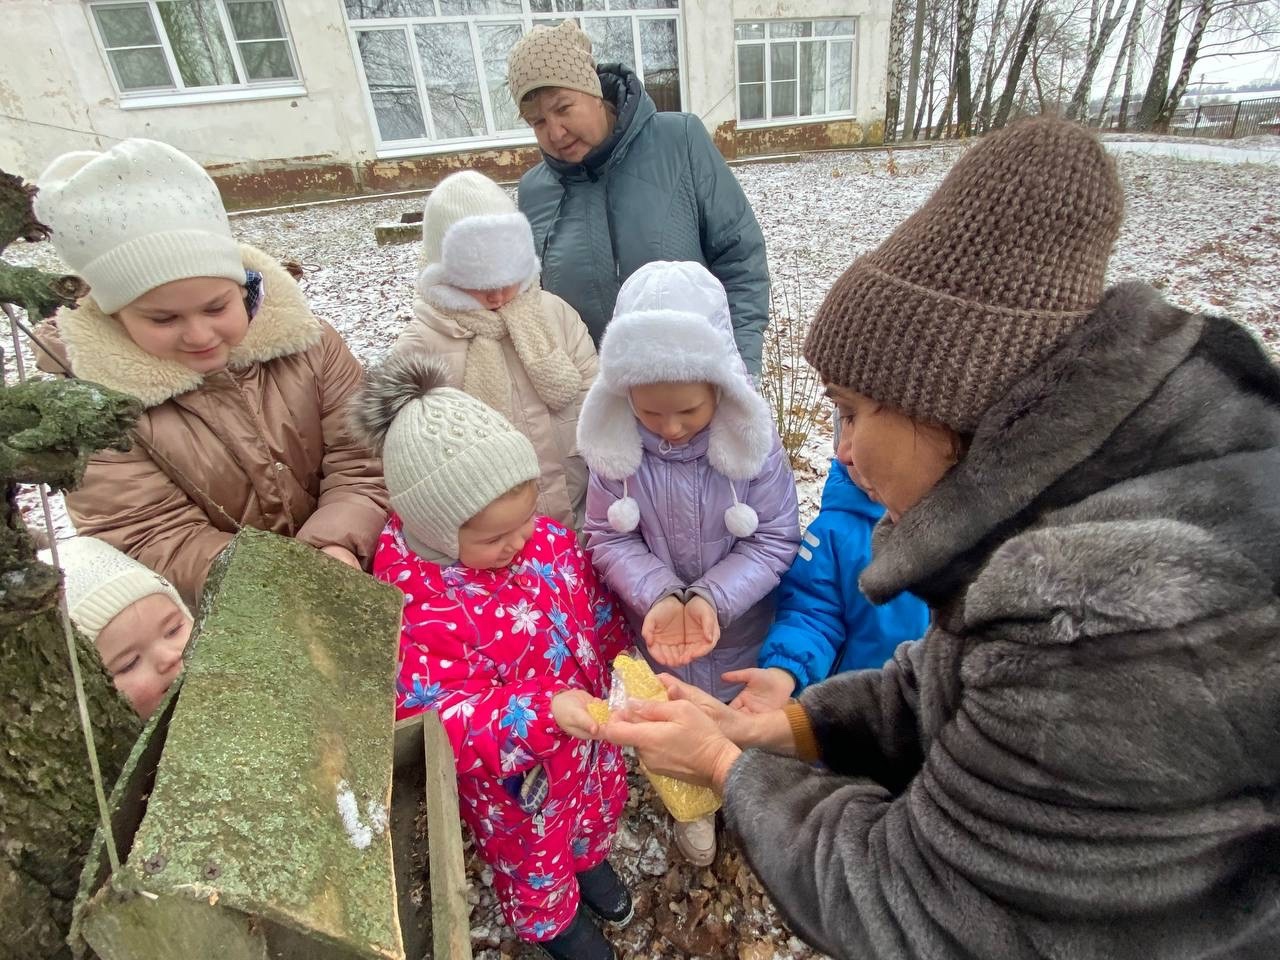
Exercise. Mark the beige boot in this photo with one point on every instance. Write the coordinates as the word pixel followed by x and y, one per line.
pixel 697 840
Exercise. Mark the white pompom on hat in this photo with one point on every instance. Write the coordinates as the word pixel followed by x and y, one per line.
pixel 671 325
pixel 101 582
pixel 474 238
pixel 134 218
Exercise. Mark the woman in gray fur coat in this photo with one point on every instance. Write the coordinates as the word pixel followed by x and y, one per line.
pixel 1082 759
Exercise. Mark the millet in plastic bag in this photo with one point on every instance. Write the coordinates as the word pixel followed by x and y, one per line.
pixel 633 680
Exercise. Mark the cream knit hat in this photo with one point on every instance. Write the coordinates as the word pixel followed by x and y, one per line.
pixel 558 56
pixel 474 237
pixel 138 216
pixel 101 582
pixel 445 455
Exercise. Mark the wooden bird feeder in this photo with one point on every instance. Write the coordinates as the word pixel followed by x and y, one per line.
pixel 268 810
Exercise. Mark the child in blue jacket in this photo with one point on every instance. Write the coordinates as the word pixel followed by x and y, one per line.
pixel 824 625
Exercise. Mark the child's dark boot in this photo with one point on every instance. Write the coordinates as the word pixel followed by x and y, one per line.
pixel 581 940
pixel 604 895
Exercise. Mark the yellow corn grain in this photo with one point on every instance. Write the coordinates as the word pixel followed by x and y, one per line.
pixel 684 801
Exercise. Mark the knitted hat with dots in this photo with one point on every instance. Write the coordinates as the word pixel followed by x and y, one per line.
pixel 981 283
pixel 101 582
pixel 558 56
pixel 445 455
pixel 474 236
pixel 140 215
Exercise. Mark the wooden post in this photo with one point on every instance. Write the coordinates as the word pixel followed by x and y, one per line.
pixel 1236 119
pixel 450 914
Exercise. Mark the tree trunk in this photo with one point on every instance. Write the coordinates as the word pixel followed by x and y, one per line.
pixel 48 807
pixel 962 83
pixel 1015 68
pixel 1189 58
pixel 1079 107
pixel 913 73
pixel 1158 85
pixel 1125 57
pixel 986 81
pixel 893 86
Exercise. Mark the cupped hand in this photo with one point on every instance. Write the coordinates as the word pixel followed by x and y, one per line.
pixel 569 710
pixel 765 690
pixel 664 634
pixel 701 627
pixel 675 738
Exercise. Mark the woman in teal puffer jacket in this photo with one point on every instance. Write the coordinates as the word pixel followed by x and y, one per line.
pixel 621 185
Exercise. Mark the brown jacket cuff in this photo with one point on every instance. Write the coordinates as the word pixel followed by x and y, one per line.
pixel 802 732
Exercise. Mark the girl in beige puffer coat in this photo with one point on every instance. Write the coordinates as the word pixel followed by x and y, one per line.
pixel 522 351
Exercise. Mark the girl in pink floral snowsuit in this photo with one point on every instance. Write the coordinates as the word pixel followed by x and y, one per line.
pixel 507 634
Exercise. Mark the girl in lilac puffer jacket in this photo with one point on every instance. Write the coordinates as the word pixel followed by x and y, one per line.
pixel 691 507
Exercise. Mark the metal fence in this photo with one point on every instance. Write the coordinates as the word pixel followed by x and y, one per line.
pixel 1226 121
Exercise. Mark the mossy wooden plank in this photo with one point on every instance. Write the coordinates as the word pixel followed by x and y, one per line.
pixel 286 712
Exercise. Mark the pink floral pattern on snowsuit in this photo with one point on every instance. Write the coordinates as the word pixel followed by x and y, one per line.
pixel 487 650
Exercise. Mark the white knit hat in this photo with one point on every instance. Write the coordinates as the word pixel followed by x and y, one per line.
pixel 138 216
pixel 445 455
pixel 101 582
pixel 671 325
pixel 473 237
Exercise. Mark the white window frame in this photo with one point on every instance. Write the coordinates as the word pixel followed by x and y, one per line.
pixel 765 43
pixel 179 95
pixel 528 19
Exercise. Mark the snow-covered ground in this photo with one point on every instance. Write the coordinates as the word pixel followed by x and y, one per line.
pixel 1204 229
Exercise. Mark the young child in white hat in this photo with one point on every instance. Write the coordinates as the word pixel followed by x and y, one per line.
pixel 507 635
pixel 132 615
pixel 520 350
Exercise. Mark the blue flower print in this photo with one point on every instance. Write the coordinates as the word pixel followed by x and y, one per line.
pixel 604 613
pixel 421 696
pixel 580 847
pixel 558 530
pixel 558 653
pixel 543 571
pixel 541 881
pixel 559 622
pixel 517 716
pixel 541 929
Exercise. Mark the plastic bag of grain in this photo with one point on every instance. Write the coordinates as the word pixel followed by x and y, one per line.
pixel 633 680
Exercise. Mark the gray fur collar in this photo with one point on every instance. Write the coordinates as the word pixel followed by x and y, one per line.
pixel 100 350
pixel 1049 423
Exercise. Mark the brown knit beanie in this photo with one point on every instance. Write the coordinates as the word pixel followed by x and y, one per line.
pixel 558 56
pixel 980 284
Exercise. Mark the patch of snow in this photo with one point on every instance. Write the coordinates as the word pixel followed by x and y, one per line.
pixel 360 834
pixel 1196 151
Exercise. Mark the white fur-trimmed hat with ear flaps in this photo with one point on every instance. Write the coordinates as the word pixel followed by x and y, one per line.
pixel 671 325
pixel 473 238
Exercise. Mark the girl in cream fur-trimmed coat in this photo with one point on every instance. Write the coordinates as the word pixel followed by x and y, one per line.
pixel 522 351
pixel 244 390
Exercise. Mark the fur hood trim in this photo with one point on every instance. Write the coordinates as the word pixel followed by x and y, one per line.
pixel 671 325
pixel 101 351
pixel 1052 420
pixel 436 293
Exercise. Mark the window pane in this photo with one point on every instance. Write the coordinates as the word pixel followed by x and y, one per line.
pixel 385 56
pixel 381 9
pixel 457 8
pixel 748 31
pixel 813 78
pixel 197 41
pixel 660 62
pixel 643 4
pixel 782 61
pixel 791 29
pixel 144 69
pixel 496 42
pixel 267 60
pixel 751 64
pixel 255 20
pixel 784 98
pixel 453 90
pixel 542 6
pixel 611 39
pixel 841 76
pixel 125 26
pixel 751 101
pixel 833 28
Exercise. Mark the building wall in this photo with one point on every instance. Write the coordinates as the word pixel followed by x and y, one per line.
pixel 321 144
